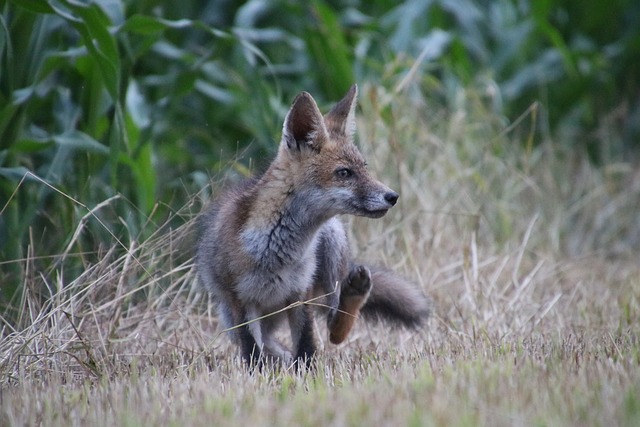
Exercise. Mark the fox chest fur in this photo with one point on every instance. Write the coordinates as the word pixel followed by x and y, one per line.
pixel 281 250
pixel 269 234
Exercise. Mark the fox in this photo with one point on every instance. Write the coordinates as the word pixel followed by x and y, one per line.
pixel 275 242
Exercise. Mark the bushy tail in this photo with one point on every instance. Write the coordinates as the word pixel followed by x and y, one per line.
pixel 395 299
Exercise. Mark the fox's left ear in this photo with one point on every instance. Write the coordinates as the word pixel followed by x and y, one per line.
pixel 341 120
pixel 304 126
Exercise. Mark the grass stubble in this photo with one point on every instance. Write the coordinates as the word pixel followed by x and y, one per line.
pixel 530 256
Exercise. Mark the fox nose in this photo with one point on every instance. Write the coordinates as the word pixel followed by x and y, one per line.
pixel 391 197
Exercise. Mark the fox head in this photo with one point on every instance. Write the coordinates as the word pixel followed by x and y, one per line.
pixel 318 155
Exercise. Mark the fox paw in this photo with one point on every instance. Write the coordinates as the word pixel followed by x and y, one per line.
pixel 358 282
pixel 354 293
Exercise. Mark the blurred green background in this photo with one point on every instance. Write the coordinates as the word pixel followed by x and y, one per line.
pixel 145 100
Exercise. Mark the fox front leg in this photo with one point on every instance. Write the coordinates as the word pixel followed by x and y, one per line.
pixel 302 335
pixel 354 291
pixel 250 337
pixel 248 346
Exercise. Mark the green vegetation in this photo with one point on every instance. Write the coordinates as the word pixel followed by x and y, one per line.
pixel 509 128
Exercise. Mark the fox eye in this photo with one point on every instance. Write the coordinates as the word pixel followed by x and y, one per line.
pixel 344 173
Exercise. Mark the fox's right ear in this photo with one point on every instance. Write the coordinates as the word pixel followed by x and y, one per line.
pixel 341 119
pixel 304 126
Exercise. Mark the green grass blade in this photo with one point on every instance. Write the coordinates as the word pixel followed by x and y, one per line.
pixel 149 25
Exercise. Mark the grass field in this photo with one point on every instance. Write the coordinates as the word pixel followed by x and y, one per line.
pixel 530 254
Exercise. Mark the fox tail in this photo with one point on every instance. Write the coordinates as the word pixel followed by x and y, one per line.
pixel 396 300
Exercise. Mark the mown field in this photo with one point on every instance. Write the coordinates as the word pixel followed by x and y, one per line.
pixel 528 253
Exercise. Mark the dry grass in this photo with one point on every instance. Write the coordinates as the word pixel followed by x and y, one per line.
pixel 531 257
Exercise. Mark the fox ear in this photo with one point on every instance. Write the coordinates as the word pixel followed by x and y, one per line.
pixel 341 120
pixel 304 126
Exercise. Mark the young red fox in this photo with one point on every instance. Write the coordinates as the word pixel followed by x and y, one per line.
pixel 277 240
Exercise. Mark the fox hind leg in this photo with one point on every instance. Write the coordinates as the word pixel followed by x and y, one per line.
pixel 354 291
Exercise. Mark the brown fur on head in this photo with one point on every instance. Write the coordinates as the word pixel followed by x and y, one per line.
pixel 319 151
